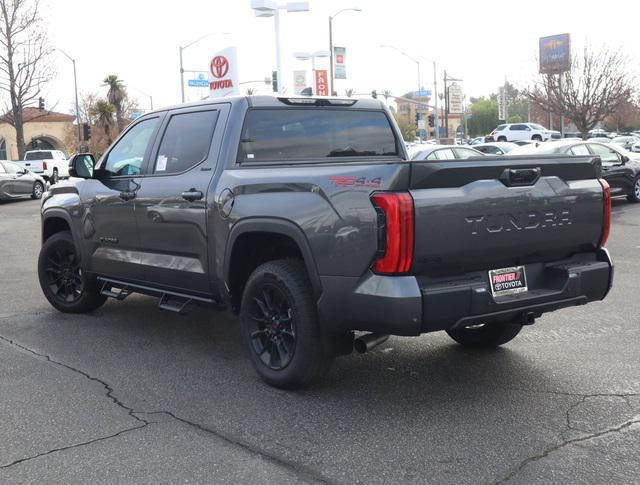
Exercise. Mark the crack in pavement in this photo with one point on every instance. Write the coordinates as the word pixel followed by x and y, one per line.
pixel 564 443
pixel 303 472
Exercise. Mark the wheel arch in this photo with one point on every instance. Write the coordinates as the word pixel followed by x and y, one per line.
pixel 54 221
pixel 269 227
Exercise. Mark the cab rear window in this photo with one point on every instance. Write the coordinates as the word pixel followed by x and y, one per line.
pixel 299 134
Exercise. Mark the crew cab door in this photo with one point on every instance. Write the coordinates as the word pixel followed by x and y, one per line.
pixel 171 205
pixel 112 246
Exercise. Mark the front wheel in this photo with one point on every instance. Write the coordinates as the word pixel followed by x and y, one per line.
pixel 62 280
pixel 38 190
pixel 485 335
pixel 634 195
pixel 280 327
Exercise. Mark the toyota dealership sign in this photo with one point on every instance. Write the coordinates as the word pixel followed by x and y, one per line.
pixel 223 73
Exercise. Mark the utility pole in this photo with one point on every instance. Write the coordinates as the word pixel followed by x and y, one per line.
pixel 446 106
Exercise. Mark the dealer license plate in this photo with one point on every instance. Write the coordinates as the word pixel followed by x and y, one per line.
pixel 508 281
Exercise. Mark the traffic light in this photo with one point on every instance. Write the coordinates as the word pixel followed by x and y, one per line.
pixel 41 103
pixel 86 131
pixel 432 120
pixel 274 81
pixel 374 94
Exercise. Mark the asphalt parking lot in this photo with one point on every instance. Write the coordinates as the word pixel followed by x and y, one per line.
pixel 131 394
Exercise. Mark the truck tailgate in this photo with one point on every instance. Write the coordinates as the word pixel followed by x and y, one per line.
pixel 33 165
pixel 500 212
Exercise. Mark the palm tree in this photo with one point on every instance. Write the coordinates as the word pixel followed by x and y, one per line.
pixel 102 111
pixel 116 95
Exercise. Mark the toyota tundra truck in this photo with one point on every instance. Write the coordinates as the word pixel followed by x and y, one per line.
pixel 305 217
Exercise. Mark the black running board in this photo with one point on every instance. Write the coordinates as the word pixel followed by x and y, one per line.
pixel 169 300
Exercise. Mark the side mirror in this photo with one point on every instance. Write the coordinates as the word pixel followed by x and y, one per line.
pixel 81 165
pixel 625 159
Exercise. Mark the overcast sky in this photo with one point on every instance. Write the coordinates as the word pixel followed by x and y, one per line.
pixel 479 42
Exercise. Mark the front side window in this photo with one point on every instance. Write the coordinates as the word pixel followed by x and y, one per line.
pixel 126 157
pixel 607 155
pixel 318 133
pixel 2 170
pixel 12 168
pixel 465 153
pixel 186 141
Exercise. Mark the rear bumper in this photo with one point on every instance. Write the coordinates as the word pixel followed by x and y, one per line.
pixel 408 305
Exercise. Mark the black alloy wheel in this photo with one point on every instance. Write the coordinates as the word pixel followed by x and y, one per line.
pixel 62 271
pixel 273 334
pixel 62 279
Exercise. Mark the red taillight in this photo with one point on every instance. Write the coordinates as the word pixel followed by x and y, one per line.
pixel 606 218
pixel 398 232
pixel 44 165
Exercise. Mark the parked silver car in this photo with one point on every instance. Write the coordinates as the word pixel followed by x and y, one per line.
pixel 16 181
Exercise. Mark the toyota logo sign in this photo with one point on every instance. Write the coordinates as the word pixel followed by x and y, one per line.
pixel 219 66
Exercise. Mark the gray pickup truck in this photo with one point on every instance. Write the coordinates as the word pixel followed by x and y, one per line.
pixel 304 216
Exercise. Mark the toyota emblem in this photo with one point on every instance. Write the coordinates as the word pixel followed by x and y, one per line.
pixel 219 66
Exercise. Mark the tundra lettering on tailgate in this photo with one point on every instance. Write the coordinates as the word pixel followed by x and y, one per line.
pixel 519 221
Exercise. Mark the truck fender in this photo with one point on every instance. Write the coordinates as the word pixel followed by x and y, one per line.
pixel 277 226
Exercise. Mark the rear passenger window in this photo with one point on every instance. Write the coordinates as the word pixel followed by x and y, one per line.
pixel 445 154
pixel 320 133
pixel 185 142
pixel 580 150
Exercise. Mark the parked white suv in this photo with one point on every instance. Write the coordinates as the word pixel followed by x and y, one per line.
pixel 51 165
pixel 521 131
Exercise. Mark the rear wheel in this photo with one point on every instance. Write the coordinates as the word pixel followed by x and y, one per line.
pixel 280 326
pixel 502 138
pixel 634 195
pixel 38 190
pixel 536 138
pixel 62 280
pixel 485 335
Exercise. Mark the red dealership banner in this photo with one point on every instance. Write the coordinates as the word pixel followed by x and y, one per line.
pixel 322 82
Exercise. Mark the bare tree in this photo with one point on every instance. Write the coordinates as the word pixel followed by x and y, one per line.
pixel 24 53
pixel 593 88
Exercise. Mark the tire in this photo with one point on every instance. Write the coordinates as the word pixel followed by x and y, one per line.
pixel 502 138
pixel 634 195
pixel 280 327
pixel 54 177
pixel 536 138
pixel 485 336
pixel 61 278
pixel 37 191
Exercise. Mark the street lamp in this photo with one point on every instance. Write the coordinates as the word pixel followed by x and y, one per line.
pixel 436 117
pixel 182 48
pixel 75 83
pixel 353 9
pixel 305 56
pixel 270 8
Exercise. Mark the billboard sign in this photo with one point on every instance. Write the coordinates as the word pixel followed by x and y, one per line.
pixel 223 73
pixel 555 54
pixel 339 63
pixel 200 82
pixel 299 81
pixel 322 82
pixel 455 99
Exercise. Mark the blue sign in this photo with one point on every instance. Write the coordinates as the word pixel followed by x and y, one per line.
pixel 135 115
pixel 423 93
pixel 555 54
pixel 198 83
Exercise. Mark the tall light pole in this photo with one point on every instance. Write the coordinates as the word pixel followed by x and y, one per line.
pixel 305 56
pixel 181 50
pixel 331 17
pixel 270 8
pixel 75 83
pixel 436 116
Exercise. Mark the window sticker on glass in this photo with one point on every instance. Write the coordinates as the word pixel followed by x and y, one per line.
pixel 161 164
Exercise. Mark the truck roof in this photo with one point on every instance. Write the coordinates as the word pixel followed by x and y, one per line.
pixel 266 101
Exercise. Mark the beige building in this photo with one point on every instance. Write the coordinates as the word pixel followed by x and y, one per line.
pixel 44 130
pixel 407 111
